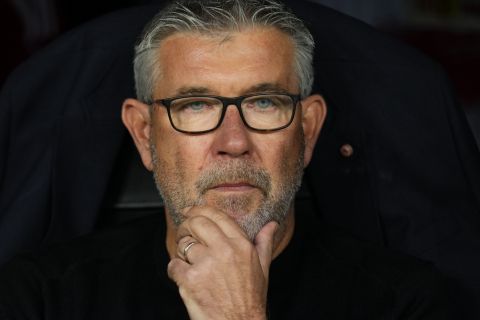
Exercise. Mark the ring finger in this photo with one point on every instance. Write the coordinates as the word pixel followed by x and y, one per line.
pixel 189 249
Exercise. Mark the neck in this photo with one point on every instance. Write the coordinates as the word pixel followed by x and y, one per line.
pixel 281 240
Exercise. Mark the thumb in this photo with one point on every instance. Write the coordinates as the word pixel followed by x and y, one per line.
pixel 264 245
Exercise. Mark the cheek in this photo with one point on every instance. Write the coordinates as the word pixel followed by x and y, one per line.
pixel 181 155
pixel 280 156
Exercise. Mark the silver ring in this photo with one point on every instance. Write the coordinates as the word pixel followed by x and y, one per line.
pixel 185 250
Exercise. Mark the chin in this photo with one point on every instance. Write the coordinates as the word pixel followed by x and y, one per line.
pixel 236 207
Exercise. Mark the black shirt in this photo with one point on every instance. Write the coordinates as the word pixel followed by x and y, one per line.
pixel 121 274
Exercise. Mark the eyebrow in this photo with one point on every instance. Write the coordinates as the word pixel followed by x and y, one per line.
pixel 189 91
pixel 265 87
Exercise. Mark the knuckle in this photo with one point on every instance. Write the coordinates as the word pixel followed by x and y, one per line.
pixel 171 268
pixel 183 292
pixel 245 246
pixel 219 216
pixel 200 221
pixel 192 276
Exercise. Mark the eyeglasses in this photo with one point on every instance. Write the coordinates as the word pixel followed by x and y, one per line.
pixel 202 114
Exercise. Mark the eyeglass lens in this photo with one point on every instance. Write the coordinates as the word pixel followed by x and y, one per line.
pixel 263 112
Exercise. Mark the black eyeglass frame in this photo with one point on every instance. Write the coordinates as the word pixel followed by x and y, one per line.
pixel 226 102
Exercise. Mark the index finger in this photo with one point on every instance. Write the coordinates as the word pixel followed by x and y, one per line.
pixel 226 224
pixel 202 229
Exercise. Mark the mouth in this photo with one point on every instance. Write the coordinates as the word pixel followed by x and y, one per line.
pixel 234 187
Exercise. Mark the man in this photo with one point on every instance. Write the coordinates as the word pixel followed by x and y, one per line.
pixel 226 122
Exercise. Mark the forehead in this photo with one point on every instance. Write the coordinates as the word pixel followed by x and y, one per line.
pixel 226 62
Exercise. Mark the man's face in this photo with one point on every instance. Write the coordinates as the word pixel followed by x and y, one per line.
pixel 251 176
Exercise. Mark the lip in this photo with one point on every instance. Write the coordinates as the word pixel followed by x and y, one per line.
pixel 233 187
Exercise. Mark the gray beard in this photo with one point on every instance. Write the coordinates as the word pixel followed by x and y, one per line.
pixel 274 204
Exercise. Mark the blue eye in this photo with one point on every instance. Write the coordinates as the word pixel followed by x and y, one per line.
pixel 263 103
pixel 196 105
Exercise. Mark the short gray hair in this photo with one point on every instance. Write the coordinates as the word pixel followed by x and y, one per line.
pixel 213 16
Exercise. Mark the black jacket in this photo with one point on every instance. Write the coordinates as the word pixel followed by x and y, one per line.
pixel 120 273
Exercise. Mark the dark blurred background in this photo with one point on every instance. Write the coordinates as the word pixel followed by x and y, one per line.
pixel 446 30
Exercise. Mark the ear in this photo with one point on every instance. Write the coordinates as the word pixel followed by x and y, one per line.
pixel 136 117
pixel 314 111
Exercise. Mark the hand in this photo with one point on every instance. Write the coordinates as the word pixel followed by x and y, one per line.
pixel 227 277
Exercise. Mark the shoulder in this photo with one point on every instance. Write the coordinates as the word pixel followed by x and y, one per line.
pixel 371 259
pixel 406 285
pixel 89 54
pixel 67 274
pixel 372 281
pixel 57 260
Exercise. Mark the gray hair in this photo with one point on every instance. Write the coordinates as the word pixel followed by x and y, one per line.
pixel 213 16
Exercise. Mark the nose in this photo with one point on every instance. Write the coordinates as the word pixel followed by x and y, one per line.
pixel 232 137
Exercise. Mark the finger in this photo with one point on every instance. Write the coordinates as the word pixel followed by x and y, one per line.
pixel 182 245
pixel 226 223
pixel 176 269
pixel 264 245
pixel 202 229
pixel 190 250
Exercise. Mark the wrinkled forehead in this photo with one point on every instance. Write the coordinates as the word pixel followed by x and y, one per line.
pixel 227 59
